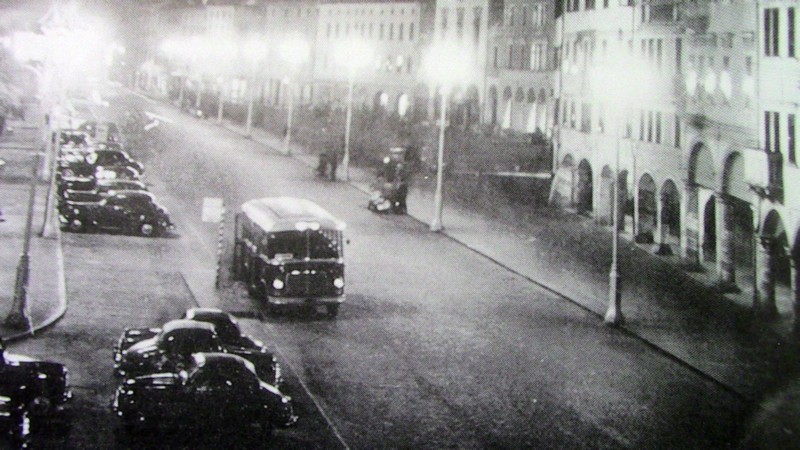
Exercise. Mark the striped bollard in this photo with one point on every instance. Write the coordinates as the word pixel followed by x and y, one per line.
pixel 220 247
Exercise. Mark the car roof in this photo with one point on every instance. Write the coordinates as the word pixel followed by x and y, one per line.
pixel 223 360
pixel 206 313
pixel 287 213
pixel 182 324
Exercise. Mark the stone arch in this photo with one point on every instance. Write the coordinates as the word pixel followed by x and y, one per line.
pixel 519 97
pixel 403 104
pixel 380 100
pixel 507 94
pixel 774 263
pixel 472 101
pixel 670 211
pixel 737 235
pixel 531 95
pixel 701 166
pixel 605 196
pixel 647 213
pixel 542 96
pixel 584 188
pixel 709 243
pixel 493 105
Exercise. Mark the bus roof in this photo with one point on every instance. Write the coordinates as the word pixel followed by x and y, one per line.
pixel 289 214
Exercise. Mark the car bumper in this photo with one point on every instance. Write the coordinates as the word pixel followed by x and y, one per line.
pixel 338 299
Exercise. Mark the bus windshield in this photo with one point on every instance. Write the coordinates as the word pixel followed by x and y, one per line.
pixel 301 244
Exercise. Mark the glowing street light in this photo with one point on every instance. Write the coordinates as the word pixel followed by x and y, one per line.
pixel 446 65
pixel 353 55
pixel 617 81
pixel 294 51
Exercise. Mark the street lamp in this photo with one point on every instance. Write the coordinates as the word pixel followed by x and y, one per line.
pixel 352 55
pixel 294 51
pixel 617 80
pixel 253 50
pixel 446 64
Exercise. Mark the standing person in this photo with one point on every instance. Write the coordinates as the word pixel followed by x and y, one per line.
pixel 2 163
pixel 334 162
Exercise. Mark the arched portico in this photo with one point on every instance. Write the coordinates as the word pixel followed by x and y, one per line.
pixel 584 188
pixel 646 192
pixel 668 225
pixel 699 187
pixel 561 191
pixel 774 265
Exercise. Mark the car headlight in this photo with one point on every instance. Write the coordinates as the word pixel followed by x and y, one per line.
pixel 338 282
pixel 277 283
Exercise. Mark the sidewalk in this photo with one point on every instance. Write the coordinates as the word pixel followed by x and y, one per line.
pixel 46 298
pixel 673 311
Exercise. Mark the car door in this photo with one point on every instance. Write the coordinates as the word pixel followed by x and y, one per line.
pixel 114 213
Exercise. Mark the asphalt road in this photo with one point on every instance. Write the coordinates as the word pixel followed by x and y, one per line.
pixel 436 346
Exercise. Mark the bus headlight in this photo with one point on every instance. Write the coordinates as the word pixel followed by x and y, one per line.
pixel 338 283
pixel 277 283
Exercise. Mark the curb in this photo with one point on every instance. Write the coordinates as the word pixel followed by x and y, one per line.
pixel 61 310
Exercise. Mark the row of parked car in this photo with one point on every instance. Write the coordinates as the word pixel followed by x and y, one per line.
pixel 199 370
pixel 100 187
pixel 196 372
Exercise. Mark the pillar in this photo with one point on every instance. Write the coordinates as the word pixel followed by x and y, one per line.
pixel 764 289
pixel 795 280
pixel 690 236
pixel 726 267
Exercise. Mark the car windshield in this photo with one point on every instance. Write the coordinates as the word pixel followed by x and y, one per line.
pixel 301 244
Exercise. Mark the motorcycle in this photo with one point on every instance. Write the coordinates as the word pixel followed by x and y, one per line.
pixel 388 197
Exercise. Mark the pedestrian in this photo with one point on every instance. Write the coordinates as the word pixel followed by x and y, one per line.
pixel 334 162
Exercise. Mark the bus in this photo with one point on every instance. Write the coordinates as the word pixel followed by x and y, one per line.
pixel 289 251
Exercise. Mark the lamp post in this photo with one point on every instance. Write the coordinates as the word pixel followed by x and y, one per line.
pixel 253 50
pixel 445 65
pixel 287 138
pixel 294 51
pixel 18 316
pixel 220 100
pixel 616 81
pixel 353 55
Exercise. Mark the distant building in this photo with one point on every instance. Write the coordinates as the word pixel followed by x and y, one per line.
pixel 520 68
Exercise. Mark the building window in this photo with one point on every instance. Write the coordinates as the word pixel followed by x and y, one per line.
pixel 572 115
pixel 771 31
pixel 411 31
pixel 538 15
pixel 476 26
pixel 586 117
pixel 400 32
pixel 677 131
pixel 460 23
pixel 524 15
pixel 791 141
pixel 589 4
pixel 772 130
pixel 657 126
pixel 380 32
pixel 790 31
pixel 511 17
pixel 391 31
pixel 510 56
pixel 444 22
pixel 495 57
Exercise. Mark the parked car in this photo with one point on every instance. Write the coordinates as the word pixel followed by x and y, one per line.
pixel 107 159
pixel 101 131
pixel 228 338
pixel 134 212
pixel 215 390
pixel 33 394
pixel 101 189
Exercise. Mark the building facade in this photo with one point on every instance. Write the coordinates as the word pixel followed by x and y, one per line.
pixel 520 75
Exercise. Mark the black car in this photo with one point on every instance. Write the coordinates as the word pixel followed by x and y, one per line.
pixel 32 394
pixel 230 335
pixel 134 212
pixel 97 190
pixel 178 338
pixel 215 390
pixel 99 159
